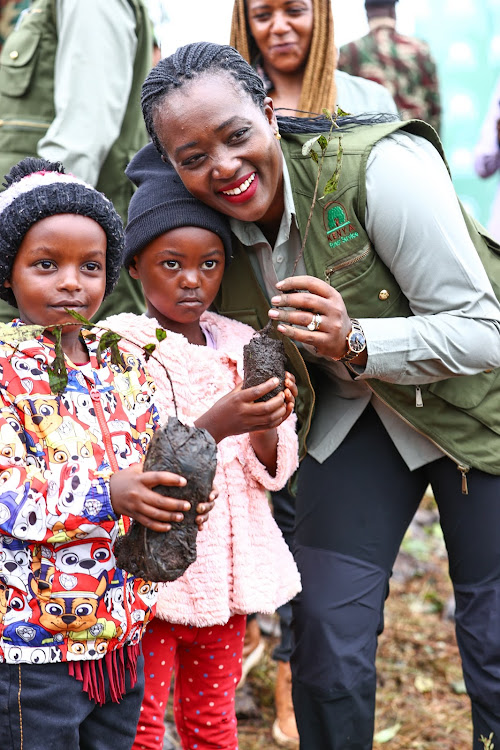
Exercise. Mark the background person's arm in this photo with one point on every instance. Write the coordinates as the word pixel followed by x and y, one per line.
pixel 93 75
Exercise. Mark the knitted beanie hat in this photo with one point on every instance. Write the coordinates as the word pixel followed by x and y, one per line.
pixel 161 203
pixel 36 189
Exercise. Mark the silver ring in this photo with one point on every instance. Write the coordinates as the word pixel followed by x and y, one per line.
pixel 315 322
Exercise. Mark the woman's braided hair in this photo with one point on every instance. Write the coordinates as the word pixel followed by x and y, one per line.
pixel 187 63
pixel 318 88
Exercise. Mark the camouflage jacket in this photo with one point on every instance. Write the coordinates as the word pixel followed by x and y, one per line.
pixel 402 64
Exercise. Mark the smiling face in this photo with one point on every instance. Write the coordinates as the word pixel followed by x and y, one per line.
pixel 282 30
pixel 224 148
pixel 61 262
pixel 180 272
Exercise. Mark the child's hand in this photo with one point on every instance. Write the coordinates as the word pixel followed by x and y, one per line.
pixel 203 509
pixel 239 411
pixel 132 495
pixel 291 392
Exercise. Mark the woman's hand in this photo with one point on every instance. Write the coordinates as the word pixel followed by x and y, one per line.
pixel 132 495
pixel 315 298
pixel 240 411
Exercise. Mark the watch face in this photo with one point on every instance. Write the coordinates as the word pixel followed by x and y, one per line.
pixel 357 341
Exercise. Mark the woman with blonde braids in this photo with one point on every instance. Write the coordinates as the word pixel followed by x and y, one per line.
pixel 290 44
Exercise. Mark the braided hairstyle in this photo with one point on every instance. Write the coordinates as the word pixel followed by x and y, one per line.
pixel 187 63
pixel 318 87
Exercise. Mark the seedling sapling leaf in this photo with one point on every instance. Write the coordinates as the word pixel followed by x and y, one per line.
pixel 148 350
pixel 58 375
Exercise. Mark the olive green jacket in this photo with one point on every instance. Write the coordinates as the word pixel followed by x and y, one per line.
pixel 461 414
pixel 27 109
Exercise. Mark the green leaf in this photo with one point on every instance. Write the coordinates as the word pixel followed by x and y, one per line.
pixel 332 184
pixel 148 350
pixel 341 113
pixel 79 318
pixel 386 735
pixel 161 334
pixel 327 113
pixel 314 156
pixel 323 143
pixel 13 335
pixel 116 355
pixel 109 340
pixel 58 375
pixel 308 145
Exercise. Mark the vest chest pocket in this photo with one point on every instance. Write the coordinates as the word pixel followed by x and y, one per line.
pixel 368 288
pixel 17 62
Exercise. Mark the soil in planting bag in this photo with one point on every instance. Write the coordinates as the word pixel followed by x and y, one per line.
pixel 263 358
pixel 164 556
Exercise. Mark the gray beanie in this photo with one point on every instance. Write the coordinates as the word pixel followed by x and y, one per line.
pixel 161 203
pixel 37 188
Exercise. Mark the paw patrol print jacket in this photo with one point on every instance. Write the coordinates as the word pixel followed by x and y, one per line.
pixel 61 596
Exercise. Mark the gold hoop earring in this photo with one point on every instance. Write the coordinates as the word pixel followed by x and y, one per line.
pixel 277 135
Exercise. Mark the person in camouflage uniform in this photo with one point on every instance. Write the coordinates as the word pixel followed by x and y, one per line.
pixel 9 13
pixel 402 64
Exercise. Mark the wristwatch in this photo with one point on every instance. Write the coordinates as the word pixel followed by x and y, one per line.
pixel 356 342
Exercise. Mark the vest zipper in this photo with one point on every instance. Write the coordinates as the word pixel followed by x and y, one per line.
pixel 25 124
pixel 108 445
pixel 346 263
pixel 419 401
pixel 462 468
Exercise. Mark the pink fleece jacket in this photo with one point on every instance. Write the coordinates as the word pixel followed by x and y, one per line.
pixel 243 564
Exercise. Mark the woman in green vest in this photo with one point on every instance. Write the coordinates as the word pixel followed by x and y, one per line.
pixel 390 307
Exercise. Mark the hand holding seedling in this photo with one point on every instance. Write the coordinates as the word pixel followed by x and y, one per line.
pixel 316 298
pixel 240 410
pixel 132 495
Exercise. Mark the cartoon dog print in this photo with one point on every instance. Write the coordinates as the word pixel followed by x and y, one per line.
pixel 92 557
pixel 73 604
pixel 15 559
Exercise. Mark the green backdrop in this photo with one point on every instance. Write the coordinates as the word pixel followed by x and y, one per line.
pixel 465 40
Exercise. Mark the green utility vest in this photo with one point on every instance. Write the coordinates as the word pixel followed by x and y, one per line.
pixel 461 414
pixel 27 63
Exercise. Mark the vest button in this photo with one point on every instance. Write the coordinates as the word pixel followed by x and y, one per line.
pixel 383 295
pixel 14 54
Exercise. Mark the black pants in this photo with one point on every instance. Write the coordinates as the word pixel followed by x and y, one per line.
pixel 351 515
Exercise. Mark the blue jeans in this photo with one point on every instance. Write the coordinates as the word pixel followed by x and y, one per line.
pixel 42 707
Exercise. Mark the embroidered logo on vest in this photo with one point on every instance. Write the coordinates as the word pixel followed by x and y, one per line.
pixel 337 224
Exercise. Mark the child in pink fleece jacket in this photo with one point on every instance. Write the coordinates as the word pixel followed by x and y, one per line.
pixel 178 248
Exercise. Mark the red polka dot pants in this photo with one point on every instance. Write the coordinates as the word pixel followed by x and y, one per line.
pixel 207 666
